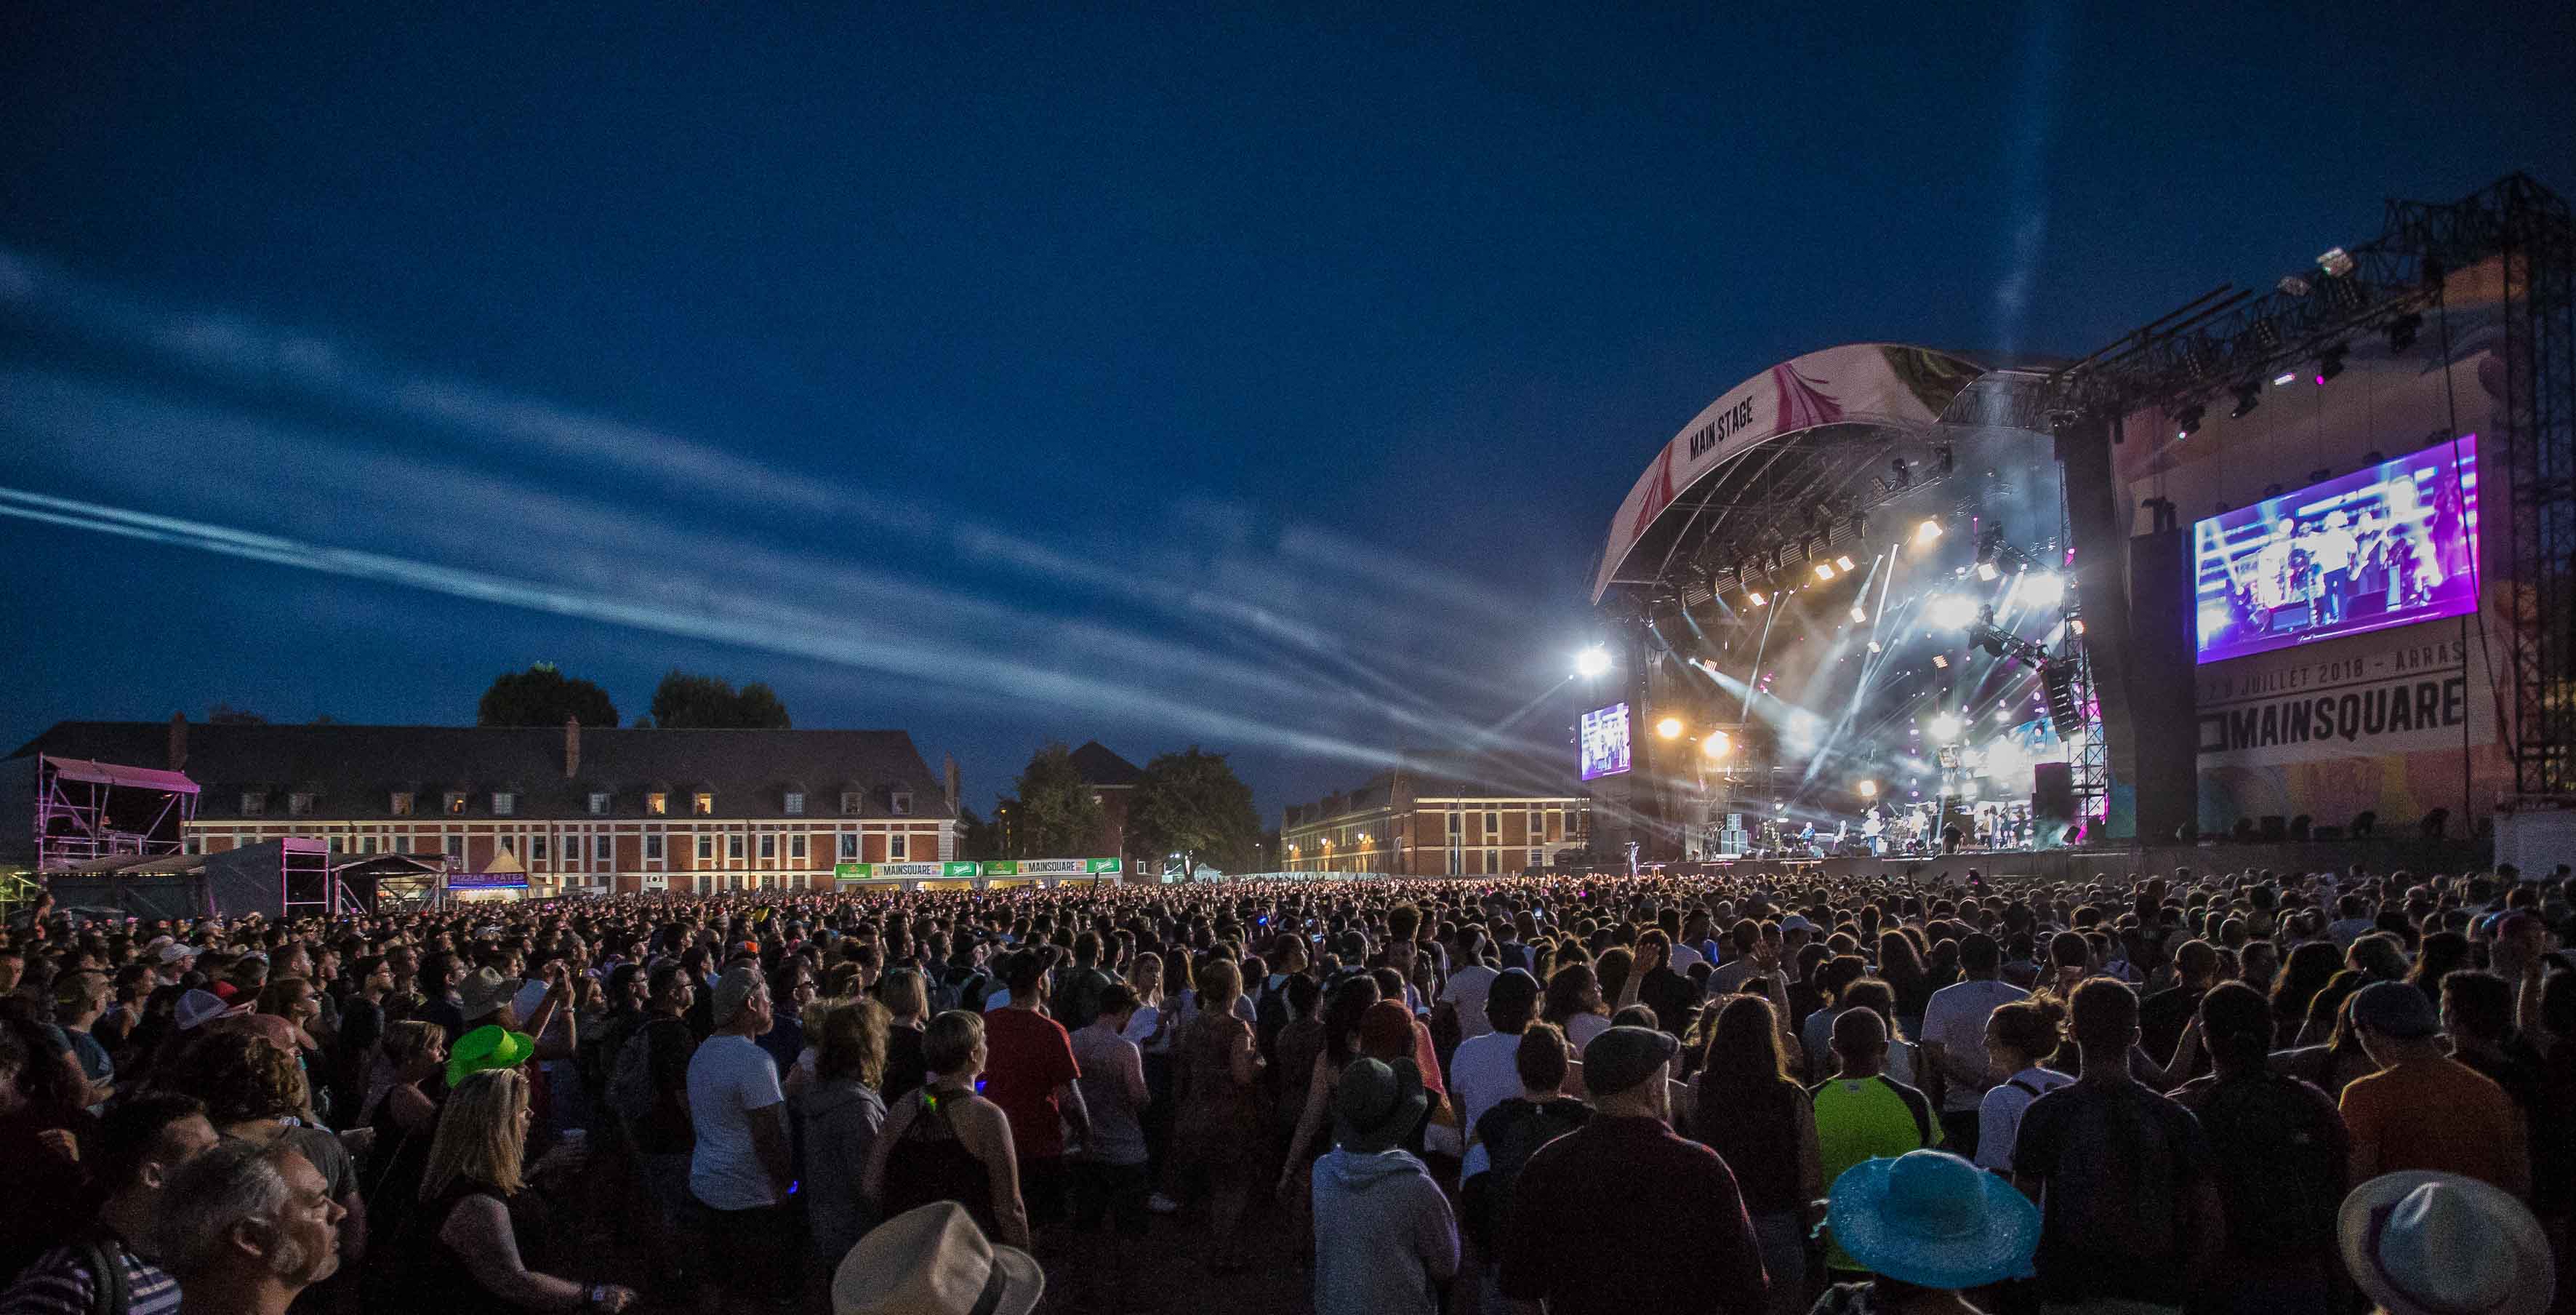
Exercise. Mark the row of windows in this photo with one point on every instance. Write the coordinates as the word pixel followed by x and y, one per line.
pixel 505 803
pixel 602 848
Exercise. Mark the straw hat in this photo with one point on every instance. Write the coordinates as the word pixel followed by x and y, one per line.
pixel 1933 1220
pixel 2424 1243
pixel 934 1261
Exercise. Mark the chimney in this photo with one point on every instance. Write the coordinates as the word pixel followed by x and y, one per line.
pixel 949 763
pixel 572 747
pixel 178 751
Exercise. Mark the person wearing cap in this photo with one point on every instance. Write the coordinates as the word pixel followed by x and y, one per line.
pixel 1625 1216
pixel 2423 1243
pixel 1926 1225
pixel 1384 1234
pixel 2425 1110
pixel 739 1169
pixel 933 1260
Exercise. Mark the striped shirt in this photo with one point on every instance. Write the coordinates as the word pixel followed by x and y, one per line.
pixel 60 1283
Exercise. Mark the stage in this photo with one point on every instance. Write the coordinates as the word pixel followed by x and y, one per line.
pixel 2118 864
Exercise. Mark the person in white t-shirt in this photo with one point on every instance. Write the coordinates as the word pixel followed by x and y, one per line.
pixel 2018 1037
pixel 1464 996
pixel 1954 1037
pixel 1485 1071
pixel 738 1172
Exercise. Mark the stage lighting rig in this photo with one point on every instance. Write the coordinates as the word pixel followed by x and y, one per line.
pixel 2330 363
pixel 2248 397
pixel 1669 728
pixel 2187 421
pixel 1927 533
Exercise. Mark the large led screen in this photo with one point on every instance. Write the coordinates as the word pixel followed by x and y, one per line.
pixel 2388 545
pixel 1605 741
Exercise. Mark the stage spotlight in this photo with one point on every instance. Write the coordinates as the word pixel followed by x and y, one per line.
pixel 2075 627
pixel 1717 745
pixel 2337 263
pixel 1986 571
pixel 2248 397
pixel 2187 422
pixel 2330 363
pixel 1927 534
pixel 1869 789
pixel 2401 331
pixel 1873 646
pixel 1941 660
pixel 2293 284
pixel 1591 662
pixel 1754 596
pixel 2041 589
pixel 2285 378
pixel 1953 612
pixel 1842 563
pixel 1670 728
pixel 1944 727
pixel 1824 570
pixel 1859 613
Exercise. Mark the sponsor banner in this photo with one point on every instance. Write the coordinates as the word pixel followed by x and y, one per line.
pixel 1005 867
pixel 2362 697
pixel 1048 867
pixel 956 870
pixel 1100 866
pixel 905 871
pixel 487 881
pixel 1865 383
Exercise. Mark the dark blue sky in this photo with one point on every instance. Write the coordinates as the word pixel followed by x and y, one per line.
pixel 1265 381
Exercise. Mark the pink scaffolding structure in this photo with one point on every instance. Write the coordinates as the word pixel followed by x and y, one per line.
pixel 80 804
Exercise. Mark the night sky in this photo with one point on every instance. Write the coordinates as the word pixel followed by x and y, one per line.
pixel 1264 382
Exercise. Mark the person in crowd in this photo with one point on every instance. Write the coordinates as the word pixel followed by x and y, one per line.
pixel 245 1227
pixel 1350 1004
pixel 469 1244
pixel 140 1145
pixel 2424 1243
pixel 1862 1113
pixel 1762 1123
pixel 1955 1025
pixel 2129 1200
pixel 843 1111
pixel 404 1120
pixel 2424 1109
pixel 1816 1030
pixel 1625 1215
pixel 792 990
pixel 739 1164
pixel 1575 1003
pixel 905 994
pixel 254 1090
pixel 2478 1017
pixel 1219 1129
pixel 1461 1001
pixel 649 1093
pixel 2282 1157
pixel 1111 1179
pixel 1030 1074
pixel 81 998
pixel 2020 1036
pixel 946 1143
pixel 1925 1226
pixel 1384 1234
pixel 1512 1130
pixel 1484 1071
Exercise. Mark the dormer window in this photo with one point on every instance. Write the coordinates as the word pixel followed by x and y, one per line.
pixel 657 803
pixel 899 803
pixel 851 802
pixel 703 803
pixel 253 803
pixel 401 806
pixel 795 803
pixel 456 803
pixel 599 803
pixel 504 803
pixel 300 804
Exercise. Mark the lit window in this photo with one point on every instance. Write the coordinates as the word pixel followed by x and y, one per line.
pixel 299 804
pixel 598 803
pixel 653 846
pixel 899 803
pixel 703 803
pixel 253 803
pixel 850 802
pixel 795 803
pixel 796 845
pixel 504 803
pixel 898 846
pixel 706 848
pixel 402 803
pixel 657 803
pixel 455 803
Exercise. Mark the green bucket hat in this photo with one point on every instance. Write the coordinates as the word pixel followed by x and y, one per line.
pixel 487 1047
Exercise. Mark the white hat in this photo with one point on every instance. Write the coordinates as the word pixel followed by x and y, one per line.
pixel 2424 1243
pixel 174 952
pixel 198 1008
pixel 1796 922
pixel 934 1261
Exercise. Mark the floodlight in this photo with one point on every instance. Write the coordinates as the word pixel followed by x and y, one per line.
pixel 1593 661
pixel 1927 533
pixel 1944 727
pixel 1755 597
pixel 1953 611
pixel 1987 572
pixel 1859 613
pixel 1717 745
pixel 1869 789
pixel 1670 728
pixel 1824 570
pixel 2042 589
pixel 1842 563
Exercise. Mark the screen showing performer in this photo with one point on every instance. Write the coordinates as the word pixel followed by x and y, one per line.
pixel 2389 545
pixel 1605 741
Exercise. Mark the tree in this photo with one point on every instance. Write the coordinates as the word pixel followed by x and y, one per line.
pixel 544 696
pixel 1056 815
pixel 977 839
pixel 1191 804
pixel 683 700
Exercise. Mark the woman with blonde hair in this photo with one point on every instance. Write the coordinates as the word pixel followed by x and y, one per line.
pixel 945 1143
pixel 463 1251
pixel 842 1111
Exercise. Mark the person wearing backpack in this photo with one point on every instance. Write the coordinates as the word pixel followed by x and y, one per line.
pixel 1507 1133
pixel 2282 1157
pixel 141 1143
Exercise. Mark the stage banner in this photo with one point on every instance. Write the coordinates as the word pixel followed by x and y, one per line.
pixel 1864 383
pixel 487 881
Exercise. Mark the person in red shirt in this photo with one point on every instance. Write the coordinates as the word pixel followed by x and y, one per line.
pixel 1030 1072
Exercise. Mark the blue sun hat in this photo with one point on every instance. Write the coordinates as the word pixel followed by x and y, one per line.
pixel 1933 1220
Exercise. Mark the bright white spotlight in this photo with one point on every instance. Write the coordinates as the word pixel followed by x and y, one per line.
pixel 1670 728
pixel 1953 611
pixel 1717 745
pixel 1869 789
pixel 1927 533
pixel 2042 588
pixel 1986 571
pixel 1755 597
pixel 1944 727
pixel 1593 661
pixel 1842 563
pixel 1824 570
pixel 1859 613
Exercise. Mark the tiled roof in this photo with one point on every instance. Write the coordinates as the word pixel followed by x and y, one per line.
pixel 1099 766
pixel 356 769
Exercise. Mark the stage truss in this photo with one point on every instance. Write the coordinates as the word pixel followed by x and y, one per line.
pixel 75 805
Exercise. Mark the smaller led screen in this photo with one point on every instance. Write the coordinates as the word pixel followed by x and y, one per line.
pixel 1605 741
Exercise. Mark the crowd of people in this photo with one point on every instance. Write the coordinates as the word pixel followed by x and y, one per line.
pixel 1750 1092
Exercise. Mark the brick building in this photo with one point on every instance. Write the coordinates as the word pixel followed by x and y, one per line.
pixel 687 811
pixel 1113 786
pixel 1439 816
